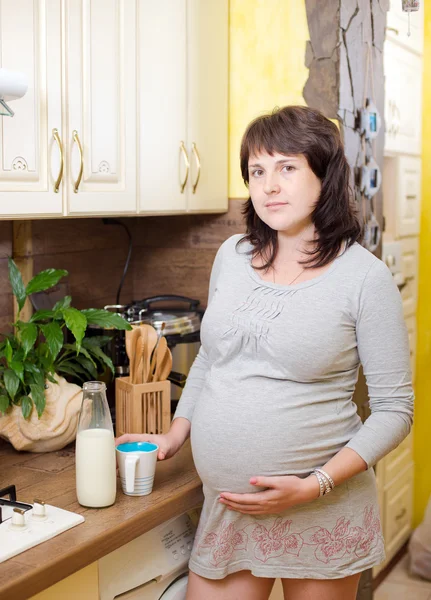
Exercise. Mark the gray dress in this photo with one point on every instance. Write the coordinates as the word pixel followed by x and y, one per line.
pixel 270 393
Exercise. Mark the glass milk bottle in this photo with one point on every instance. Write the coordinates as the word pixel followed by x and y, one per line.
pixel 96 478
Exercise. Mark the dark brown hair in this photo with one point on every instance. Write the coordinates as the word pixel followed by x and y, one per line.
pixel 294 130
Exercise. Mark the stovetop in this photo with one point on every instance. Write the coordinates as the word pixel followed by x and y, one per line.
pixel 24 525
pixel 8 502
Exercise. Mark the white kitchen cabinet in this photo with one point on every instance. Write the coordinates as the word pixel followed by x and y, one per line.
pixel 397 26
pixel 183 106
pixel 30 165
pixel 101 93
pixel 133 95
pixel 162 105
pixel 409 267
pixel 402 196
pixel 208 104
pixel 412 333
pixel 394 477
pixel 403 99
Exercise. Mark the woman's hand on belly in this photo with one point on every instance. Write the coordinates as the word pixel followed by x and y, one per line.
pixel 283 492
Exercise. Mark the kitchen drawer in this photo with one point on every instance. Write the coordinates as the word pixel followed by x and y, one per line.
pixel 411 329
pixel 402 196
pixel 397 460
pixel 409 267
pixel 398 506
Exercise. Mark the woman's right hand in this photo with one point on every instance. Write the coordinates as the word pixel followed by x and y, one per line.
pixel 166 443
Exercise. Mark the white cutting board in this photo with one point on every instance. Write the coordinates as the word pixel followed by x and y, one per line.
pixel 13 541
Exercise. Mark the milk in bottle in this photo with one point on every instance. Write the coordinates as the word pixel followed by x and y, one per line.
pixel 96 481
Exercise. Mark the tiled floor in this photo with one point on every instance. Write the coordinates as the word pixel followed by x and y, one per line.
pixel 399 585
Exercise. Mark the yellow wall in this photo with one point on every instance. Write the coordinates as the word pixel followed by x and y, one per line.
pixel 266 66
pixel 422 433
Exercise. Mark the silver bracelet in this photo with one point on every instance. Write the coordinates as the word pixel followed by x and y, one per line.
pixel 321 482
pixel 325 487
pixel 328 477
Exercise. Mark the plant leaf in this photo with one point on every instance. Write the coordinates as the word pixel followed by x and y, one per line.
pixel 38 397
pixel 88 365
pixel 54 337
pixel 18 287
pixel 11 381
pixel 106 319
pixel 76 322
pixel 96 340
pixel 28 335
pixel 4 403
pixel 105 359
pixel 30 367
pixel 18 368
pixel 26 406
pixel 51 378
pixel 62 304
pixel 8 352
pixel 75 366
pixel 45 280
pixel 41 315
pixel 68 370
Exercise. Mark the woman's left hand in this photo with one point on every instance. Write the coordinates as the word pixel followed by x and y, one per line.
pixel 283 492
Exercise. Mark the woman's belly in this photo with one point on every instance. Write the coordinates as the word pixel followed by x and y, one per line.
pixel 236 435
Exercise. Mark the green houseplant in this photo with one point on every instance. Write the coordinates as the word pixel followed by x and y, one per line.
pixel 39 349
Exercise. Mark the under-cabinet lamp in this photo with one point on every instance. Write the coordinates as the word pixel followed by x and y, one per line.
pixel 13 85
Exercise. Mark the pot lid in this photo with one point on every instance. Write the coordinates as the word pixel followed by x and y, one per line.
pixel 180 323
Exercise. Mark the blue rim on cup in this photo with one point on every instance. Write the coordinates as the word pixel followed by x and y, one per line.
pixel 133 453
pixel 137 447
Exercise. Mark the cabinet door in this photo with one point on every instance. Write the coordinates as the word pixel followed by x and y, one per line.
pixel 398 510
pixel 30 41
pixel 101 102
pixel 397 26
pixel 409 262
pixel 163 154
pixel 412 333
pixel 208 104
pixel 403 104
pixel 408 195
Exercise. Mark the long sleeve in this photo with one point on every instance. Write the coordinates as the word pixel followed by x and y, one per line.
pixel 383 348
pixel 196 376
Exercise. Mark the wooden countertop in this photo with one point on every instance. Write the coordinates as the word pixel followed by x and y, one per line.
pixel 51 477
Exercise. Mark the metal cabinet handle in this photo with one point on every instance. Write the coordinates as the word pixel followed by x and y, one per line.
pixel 81 155
pixel 401 514
pixel 198 163
pixel 187 163
pixel 60 173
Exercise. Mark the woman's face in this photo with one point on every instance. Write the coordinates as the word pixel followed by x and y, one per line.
pixel 284 190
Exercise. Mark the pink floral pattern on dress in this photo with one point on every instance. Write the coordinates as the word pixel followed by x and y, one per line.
pixel 363 539
pixel 342 539
pixel 224 542
pixel 330 545
pixel 275 541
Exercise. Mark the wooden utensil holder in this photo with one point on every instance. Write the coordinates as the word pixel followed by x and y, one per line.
pixel 142 407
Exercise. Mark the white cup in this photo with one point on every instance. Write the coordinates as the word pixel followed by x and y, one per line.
pixel 137 465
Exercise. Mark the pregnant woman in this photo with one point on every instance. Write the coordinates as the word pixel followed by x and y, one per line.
pixel 295 306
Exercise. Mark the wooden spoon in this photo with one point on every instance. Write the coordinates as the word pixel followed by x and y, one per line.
pixel 151 342
pixel 131 337
pixel 137 370
pixel 163 361
pixel 144 350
